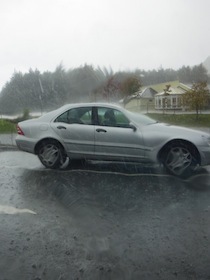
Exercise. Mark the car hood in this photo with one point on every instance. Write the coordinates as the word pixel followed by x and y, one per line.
pixel 180 129
pixel 158 134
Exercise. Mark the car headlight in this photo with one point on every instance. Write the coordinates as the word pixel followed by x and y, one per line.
pixel 206 139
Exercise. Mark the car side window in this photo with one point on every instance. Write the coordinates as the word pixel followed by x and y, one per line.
pixel 112 117
pixel 76 116
pixel 62 118
pixel 86 117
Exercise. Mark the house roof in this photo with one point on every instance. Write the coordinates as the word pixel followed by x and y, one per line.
pixel 175 86
pixel 148 93
pixel 172 91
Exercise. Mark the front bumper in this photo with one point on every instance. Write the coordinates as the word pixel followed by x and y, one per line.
pixel 205 155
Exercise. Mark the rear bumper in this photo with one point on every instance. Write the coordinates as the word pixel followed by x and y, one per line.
pixel 25 144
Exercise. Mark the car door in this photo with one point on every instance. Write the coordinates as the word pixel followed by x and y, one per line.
pixel 116 138
pixel 75 127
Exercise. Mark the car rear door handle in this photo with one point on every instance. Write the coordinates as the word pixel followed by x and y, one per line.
pixel 61 127
pixel 100 130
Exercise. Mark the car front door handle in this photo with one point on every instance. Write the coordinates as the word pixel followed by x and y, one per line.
pixel 101 130
pixel 61 127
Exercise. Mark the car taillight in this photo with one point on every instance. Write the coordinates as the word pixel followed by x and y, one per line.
pixel 19 130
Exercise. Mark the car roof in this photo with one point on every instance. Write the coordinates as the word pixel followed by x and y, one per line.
pixel 91 104
pixel 53 114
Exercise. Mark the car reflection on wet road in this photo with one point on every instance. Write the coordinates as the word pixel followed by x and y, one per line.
pixel 101 221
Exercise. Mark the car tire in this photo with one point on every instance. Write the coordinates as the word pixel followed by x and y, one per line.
pixel 180 159
pixel 51 154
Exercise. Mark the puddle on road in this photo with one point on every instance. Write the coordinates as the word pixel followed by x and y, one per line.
pixel 4 209
pixel 108 186
pixel 199 182
pixel 14 159
pixel 96 186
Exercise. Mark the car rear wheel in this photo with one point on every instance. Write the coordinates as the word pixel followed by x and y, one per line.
pixel 51 154
pixel 180 159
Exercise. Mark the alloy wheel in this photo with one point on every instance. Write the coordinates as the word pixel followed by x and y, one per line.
pixel 178 160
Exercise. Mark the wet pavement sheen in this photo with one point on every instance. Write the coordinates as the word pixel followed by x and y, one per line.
pixel 101 221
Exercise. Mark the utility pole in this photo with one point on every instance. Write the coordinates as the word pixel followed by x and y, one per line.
pixel 41 93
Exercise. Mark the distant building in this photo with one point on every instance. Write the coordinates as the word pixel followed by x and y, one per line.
pixel 172 100
pixel 154 97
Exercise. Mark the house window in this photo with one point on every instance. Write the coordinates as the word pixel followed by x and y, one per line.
pixel 159 101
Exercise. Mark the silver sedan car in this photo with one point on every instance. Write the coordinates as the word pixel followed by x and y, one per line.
pixel 99 131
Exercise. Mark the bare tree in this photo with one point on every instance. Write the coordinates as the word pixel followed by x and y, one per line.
pixel 130 86
pixel 197 98
pixel 166 91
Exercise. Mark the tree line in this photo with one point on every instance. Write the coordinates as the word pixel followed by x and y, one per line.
pixel 36 91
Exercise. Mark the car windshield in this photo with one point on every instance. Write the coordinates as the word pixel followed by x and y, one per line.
pixel 141 119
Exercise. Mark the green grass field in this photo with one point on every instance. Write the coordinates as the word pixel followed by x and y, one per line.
pixel 7 126
pixel 183 119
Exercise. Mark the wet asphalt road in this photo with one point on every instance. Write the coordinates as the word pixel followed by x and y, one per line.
pixel 101 221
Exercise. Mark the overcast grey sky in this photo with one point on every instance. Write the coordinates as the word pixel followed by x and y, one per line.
pixel 121 34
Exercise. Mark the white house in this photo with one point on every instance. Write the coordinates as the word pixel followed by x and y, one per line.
pixel 172 99
pixel 153 97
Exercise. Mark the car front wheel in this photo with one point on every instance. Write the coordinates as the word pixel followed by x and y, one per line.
pixel 51 155
pixel 180 160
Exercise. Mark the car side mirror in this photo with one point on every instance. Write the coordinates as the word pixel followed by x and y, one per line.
pixel 132 126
